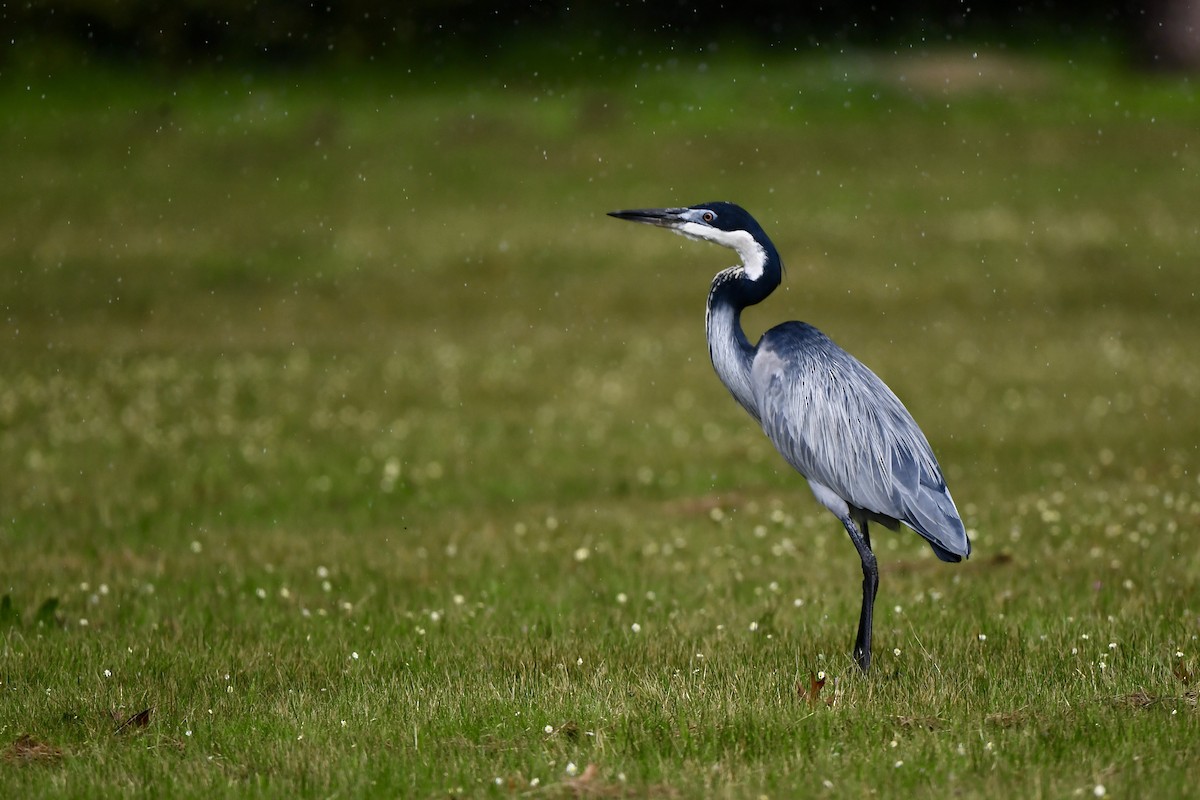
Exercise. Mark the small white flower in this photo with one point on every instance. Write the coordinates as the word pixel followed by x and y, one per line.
pixel 622 598
pixel 753 626
pixel 354 655
pixel 548 729
pixel 83 623
pixel 187 733
pixel 983 637
pixel 579 662
pixel 108 673
pixel 1099 791
pixel 196 546
pixel 458 601
pixel 896 652
pixel 635 628
pixel 1112 645
pixel 322 572
pixel 582 553
pixel 261 593
pixel 571 768
pixel 534 782
pixel 899 764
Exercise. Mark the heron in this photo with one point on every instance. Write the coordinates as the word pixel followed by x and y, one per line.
pixel 830 417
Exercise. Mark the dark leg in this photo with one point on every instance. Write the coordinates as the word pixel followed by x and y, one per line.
pixel 862 543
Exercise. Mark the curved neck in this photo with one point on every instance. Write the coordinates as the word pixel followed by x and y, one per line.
pixel 731 352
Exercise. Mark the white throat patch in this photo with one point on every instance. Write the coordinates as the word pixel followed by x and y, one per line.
pixel 754 257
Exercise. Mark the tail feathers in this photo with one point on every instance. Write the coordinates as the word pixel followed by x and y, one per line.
pixel 946 555
pixel 934 516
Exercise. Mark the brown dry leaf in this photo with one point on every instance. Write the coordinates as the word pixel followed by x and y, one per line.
pixel 139 720
pixel 1007 719
pixel 1138 699
pixel 1143 699
pixel 813 693
pixel 28 750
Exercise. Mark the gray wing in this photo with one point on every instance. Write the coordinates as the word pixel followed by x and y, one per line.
pixel 845 431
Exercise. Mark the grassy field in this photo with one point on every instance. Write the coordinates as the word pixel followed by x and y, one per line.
pixel 341 432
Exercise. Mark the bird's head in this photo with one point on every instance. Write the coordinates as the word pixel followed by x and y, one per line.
pixel 725 224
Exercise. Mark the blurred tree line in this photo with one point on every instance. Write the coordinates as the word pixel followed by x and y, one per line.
pixel 186 33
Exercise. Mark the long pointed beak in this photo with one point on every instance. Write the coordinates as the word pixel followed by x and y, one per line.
pixel 662 217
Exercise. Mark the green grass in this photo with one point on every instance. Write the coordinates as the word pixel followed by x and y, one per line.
pixel 353 441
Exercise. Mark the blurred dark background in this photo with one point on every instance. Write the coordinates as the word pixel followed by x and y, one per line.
pixel 184 34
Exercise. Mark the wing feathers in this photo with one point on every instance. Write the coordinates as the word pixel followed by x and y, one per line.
pixel 841 427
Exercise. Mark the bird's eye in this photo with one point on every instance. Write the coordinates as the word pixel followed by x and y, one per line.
pixel 708 216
